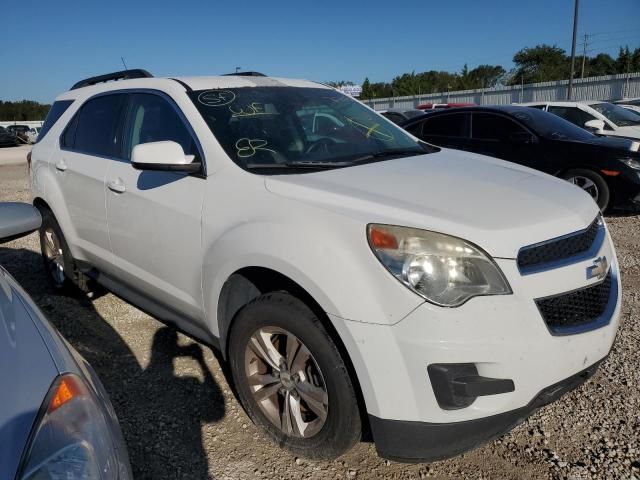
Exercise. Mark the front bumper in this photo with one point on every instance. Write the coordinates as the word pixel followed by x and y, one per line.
pixel 504 338
pixel 425 442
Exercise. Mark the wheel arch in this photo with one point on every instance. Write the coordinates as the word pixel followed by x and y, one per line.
pixel 248 283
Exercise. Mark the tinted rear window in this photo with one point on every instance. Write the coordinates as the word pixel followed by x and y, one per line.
pixel 453 125
pixel 487 126
pixel 55 112
pixel 94 129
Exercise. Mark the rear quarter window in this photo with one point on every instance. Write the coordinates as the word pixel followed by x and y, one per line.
pixel 454 125
pixel 55 112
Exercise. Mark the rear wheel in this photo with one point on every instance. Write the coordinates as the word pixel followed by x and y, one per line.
pixel 592 183
pixel 60 267
pixel 291 379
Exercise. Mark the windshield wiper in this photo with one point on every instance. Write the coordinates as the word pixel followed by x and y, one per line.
pixel 323 164
pixel 306 164
pixel 391 152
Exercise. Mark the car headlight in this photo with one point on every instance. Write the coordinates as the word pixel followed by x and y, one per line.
pixel 631 163
pixel 75 437
pixel 445 270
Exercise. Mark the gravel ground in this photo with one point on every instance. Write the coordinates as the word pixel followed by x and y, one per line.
pixel 181 421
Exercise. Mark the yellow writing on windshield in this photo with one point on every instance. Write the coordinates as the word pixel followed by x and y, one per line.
pixel 373 130
pixel 248 147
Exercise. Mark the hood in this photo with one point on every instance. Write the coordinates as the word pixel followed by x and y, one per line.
pixel 631 132
pixel 619 143
pixel 27 370
pixel 497 205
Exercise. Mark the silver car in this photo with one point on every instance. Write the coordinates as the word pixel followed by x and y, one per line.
pixel 56 420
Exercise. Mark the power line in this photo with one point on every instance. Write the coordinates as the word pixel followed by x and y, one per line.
pixel 615 39
pixel 596 34
pixel 600 48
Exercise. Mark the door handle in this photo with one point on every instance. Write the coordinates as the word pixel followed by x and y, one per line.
pixel 61 165
pixel 116 185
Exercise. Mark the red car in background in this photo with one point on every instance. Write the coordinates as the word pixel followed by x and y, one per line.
pixel 440 106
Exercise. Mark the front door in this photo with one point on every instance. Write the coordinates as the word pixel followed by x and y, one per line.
pixel 498 136
pixel 154 217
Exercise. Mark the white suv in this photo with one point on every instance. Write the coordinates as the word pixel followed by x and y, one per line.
pixel 356 279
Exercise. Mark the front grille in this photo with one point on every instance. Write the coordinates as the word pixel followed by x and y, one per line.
pixel 580 310
pixel 558 249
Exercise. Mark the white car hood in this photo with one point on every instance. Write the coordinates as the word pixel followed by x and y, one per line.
pixel 497 205
pixel 629 132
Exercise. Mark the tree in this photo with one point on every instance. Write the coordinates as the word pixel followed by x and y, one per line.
pixel 623 62
pixel 601 64
pixel 22 111
pixel 541 63
pixel 367 90
pixel 484 76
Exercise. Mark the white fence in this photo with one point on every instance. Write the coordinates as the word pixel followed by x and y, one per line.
pixel 30 123
pixel 610 87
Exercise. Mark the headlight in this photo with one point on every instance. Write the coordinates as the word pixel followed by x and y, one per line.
pixel 444 270
pixel 76 438
pixel 631 162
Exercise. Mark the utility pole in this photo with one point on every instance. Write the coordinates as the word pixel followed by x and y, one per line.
pixel 584 53
pixel 573 49
pixel 626 90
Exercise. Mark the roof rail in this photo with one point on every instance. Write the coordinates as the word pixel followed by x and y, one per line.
pixel 245 74
pixel 122 75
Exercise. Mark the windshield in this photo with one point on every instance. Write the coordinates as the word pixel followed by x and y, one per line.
pixel 616 114
pixel 551 126
pixel 292 127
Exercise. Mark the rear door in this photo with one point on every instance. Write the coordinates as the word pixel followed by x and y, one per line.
pixel 87 146
pixel 450 130
pixel 154 217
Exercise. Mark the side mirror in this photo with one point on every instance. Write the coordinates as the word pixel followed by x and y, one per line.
pixel 166 156
pixel 522 137
pixel 17 220
pixel 595 126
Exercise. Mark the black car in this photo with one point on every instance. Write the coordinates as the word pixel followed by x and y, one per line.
pixel 7 139
pixel 19 131
pixel 607 168
pixel 400 116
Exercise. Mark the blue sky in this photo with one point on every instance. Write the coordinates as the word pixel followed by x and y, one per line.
pixel 48 45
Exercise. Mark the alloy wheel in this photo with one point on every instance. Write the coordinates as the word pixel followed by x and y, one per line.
pixel 586 184
pixel 54 256
pixel 286 382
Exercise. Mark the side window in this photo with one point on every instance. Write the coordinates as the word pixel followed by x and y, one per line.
pixel 415 129
pixel 394 117
pixel 487 126
pixel 455 125
pixel 68 137
pixel 152 119
pixel 97 126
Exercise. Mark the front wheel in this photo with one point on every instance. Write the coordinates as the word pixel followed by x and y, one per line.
pixel 59 264
pixel 291 378
pixel 592 183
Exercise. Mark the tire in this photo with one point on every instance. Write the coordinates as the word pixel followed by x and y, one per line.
pixel 592 183
pixel 279 317
pixel 60 267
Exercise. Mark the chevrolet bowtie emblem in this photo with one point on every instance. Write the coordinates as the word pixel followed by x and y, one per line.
pixel 599 268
